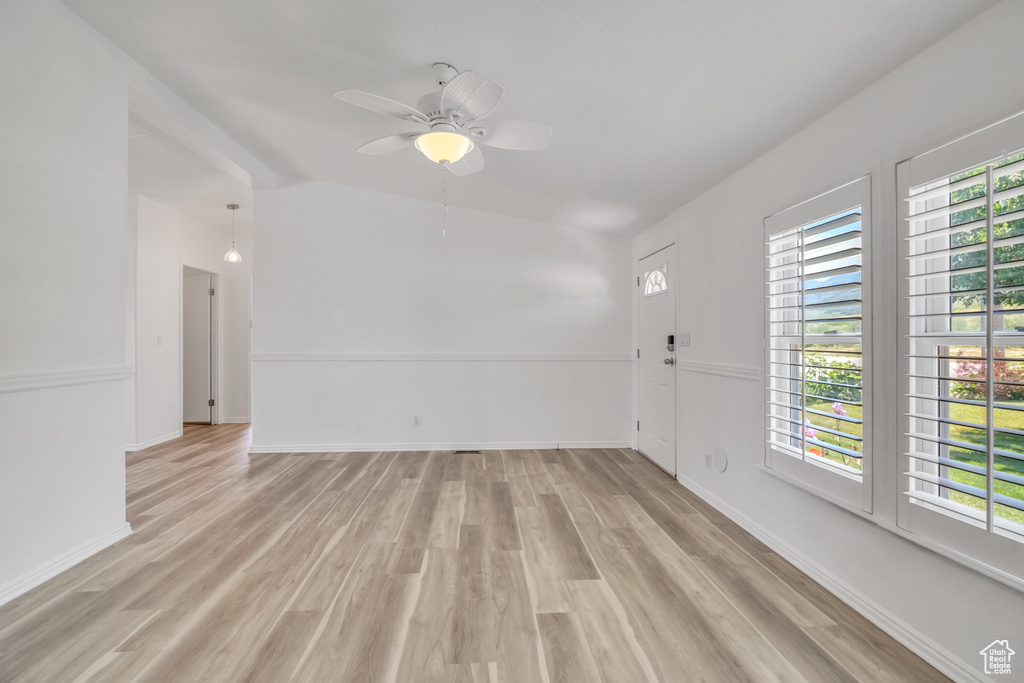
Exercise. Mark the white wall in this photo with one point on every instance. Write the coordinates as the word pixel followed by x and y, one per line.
pixel 167 240
pixel 63 121
pixel 131 265
pixel 946 611
pixel 66 263
pixel 506 332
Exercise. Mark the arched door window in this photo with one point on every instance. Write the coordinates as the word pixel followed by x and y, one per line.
pixel 656 282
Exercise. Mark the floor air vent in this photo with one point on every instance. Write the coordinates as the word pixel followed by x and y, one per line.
pixel 470 452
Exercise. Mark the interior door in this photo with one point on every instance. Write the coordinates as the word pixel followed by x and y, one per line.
pixel 196 349
pixel 657 381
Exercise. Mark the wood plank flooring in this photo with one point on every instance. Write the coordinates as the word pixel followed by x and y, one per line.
pixel 500 567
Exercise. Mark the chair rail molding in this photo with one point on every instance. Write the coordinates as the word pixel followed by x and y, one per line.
pixel 63 378
pixel 443 357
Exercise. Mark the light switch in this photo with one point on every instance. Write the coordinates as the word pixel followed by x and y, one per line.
pixel 684 339
pixel 159 340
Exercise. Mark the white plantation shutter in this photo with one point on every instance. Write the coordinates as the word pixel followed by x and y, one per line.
pixel 962 214
pixel 816 310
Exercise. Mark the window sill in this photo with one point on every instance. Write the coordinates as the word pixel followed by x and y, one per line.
pixel 835 500
pixel 844 489
pixel 1005 578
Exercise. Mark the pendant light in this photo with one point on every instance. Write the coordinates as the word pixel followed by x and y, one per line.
pixel 233 256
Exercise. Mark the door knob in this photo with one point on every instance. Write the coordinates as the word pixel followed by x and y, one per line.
pixel 670 361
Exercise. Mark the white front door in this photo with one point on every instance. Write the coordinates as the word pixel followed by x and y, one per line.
pixel 657 313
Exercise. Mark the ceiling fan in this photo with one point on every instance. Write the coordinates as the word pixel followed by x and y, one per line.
pixel 453 121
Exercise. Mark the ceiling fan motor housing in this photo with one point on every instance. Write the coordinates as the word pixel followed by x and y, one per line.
pixel 443 73
pixel 430 105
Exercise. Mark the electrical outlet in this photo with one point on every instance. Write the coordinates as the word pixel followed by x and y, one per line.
pixel 707 461
pixel 415 420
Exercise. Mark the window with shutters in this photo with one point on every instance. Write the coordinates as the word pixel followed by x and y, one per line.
pixel 817 381
pixel 962 470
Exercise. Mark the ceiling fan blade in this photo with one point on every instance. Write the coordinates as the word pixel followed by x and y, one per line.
pixel 381 105
pixel 470 94
pixel 509 133
pixel 391 143
pixel 472 162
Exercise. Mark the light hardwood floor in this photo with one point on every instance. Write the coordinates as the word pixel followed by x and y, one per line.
pixel 511 566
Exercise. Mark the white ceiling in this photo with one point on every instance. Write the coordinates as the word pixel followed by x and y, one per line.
pixel 652 102
pixel 164 169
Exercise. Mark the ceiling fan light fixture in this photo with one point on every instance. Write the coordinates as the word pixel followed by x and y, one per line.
pixel 452 125
pixel 441 146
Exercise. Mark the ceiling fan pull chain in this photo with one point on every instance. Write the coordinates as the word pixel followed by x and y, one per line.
pixel 444 197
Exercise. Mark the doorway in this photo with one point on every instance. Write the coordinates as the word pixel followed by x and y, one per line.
pixel 656 408
pixel 198 327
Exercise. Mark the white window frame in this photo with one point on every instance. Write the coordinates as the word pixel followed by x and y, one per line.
pixel 847 490
pixel 970 541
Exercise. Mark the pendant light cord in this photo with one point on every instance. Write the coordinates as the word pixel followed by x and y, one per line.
pixel 233 256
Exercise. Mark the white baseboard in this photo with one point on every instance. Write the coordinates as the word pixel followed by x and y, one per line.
pixel 234 420
pixel 375 447
pixel 132 447
pixel 914 640
pixel 30 580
